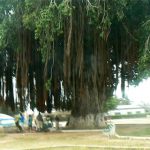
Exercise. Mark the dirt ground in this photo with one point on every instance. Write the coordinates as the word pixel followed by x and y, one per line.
pixel 68 140
pixel 77 140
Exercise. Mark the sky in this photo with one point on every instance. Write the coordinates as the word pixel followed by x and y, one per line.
pixel 137 94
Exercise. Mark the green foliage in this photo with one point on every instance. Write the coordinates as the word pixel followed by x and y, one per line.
pixel 101 14
pixel 6 32
pixel 144 61
pixel 124 102
pixel 65 8
pixel 111 104
pixel 32 8
pixel 46 20
pixel 49 25
pixel 46 28
pixel 2 36
pixel 98 15
pixel 48 84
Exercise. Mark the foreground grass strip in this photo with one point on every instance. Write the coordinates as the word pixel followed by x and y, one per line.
pixel 71 141
pixel 132 137
pixel 85 147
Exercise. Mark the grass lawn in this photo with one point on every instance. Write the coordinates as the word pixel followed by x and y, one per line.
pixel 133 129
pixel 68 141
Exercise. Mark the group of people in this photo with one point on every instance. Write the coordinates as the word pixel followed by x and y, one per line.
pixel 20 122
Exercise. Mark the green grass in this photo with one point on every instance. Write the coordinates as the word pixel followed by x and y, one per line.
pixel 133 130
pixel 77 140
pixel 68 141
pixel 2 135
pixel 128 116
pixel 86 148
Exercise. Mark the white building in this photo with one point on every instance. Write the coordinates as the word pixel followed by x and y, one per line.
pixel 127 110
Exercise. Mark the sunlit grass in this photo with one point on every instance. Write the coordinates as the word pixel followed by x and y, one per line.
pixel 2 135
pixel 67 141
pixel 133 130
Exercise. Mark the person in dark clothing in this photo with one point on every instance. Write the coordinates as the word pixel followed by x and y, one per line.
pixel 57 122
pixel 21 120
pixel 30 122
pixel 17 118
pixel 40 121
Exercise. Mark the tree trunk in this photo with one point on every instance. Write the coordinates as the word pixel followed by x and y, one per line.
pixel 90 121
pixel 87 76
pixel 40 101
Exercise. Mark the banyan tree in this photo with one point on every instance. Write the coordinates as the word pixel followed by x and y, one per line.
pixel 69 54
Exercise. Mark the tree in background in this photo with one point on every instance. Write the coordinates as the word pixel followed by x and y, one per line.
pixel 70 54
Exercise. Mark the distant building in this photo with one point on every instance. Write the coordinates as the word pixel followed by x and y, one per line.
pixel 127 110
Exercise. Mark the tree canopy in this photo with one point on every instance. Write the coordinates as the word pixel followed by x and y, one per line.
pixel 70 54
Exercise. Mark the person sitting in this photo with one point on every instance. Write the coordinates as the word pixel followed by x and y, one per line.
pixel 30 123
pixel 39 122
pixel 22 120
pixel 57 122
pixel 17 118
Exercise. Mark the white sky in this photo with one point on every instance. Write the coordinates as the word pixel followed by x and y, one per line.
pixel 139 94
